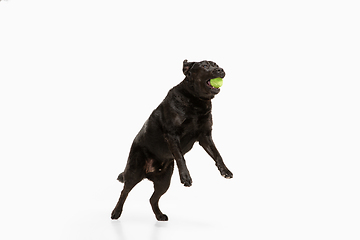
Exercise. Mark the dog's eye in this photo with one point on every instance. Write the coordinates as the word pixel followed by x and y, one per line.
pixel 205 66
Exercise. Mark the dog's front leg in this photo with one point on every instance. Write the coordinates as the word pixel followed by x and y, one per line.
pixel 174 146
pixel 207 143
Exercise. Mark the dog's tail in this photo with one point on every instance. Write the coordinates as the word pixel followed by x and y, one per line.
pixel 121 177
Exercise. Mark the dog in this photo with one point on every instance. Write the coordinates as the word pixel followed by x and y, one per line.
pixel 182 118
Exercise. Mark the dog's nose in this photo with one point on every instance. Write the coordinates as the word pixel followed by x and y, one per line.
pixel 220 71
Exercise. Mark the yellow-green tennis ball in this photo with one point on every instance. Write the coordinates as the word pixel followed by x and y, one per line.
pixel 216 82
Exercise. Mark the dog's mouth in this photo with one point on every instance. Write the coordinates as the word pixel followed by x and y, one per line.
pixel 212 89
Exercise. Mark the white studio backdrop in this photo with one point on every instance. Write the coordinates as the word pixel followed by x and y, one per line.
pixel 79 78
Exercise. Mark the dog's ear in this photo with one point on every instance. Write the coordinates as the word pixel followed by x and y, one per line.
pixel 187 66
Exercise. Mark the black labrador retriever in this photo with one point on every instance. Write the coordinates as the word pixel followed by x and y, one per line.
pixel 183 118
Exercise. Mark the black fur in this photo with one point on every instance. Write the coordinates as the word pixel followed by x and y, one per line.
pixel 183 118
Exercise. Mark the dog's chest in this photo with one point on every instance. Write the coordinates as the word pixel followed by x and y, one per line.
pixel 193 125
pixel 190 131
pixel 195 118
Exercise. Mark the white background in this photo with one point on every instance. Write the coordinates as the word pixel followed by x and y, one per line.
pixel 79 78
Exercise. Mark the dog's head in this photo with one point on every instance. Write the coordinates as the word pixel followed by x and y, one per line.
pixel 198 75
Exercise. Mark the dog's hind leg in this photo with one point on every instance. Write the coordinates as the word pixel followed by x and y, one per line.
pixel 161 185
pixel 129 183
pixel 133 174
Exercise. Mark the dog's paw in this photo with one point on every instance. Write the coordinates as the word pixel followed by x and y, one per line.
pixel 186 179
pixel 162 217
pixel 226 173
pixel 115 214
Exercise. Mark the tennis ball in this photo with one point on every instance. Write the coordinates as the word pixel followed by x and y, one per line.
pixel 216 82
